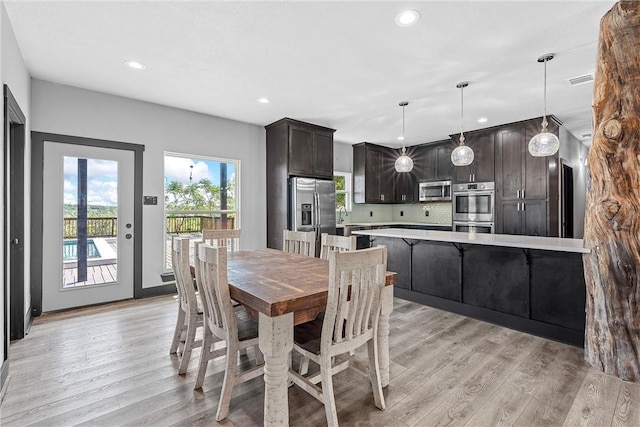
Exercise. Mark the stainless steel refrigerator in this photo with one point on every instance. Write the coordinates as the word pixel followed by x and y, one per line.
pixel 313 206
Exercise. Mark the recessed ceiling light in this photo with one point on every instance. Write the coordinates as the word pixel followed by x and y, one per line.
pixel 264 100
pixel 401 138
pixel 135 64
pixel 483 120
pixel 408 17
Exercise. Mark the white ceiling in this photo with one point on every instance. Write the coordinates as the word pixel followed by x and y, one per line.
pixel 344 65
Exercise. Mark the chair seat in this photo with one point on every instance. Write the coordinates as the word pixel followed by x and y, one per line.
pixel 308 335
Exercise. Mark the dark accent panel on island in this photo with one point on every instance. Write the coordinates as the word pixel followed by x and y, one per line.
pixel 496 278
pixel 535 291
pixel 438 271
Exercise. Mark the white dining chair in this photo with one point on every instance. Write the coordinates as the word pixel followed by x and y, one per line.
pixel 189 306
pixel 228 238
pixel 299 242
pixel 222 322
pixel 356 281
pixel 329 242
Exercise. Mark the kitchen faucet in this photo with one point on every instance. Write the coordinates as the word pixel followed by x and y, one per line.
pixel 340 218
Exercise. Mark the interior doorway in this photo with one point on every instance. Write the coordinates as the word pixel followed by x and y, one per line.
pixel 566 206
pixel 13 295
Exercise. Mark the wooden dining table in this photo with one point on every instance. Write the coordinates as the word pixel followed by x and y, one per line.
pixel 285 290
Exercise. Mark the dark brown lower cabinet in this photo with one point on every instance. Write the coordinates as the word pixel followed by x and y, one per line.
pixel 523 217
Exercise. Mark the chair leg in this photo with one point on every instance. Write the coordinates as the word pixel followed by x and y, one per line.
pixel 327 393
pixel 177 334
pixel 374 374
pixel 304 366
pixel 228 383
pixel 205 352
pixel 258 355
pixel 188 344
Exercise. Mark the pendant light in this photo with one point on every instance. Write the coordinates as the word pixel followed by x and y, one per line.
pixel 545 143
pixel 462 155
pixel 404 162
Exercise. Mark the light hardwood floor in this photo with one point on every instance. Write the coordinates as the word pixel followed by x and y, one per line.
pixel 110 365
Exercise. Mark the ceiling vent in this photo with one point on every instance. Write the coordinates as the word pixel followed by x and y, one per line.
pixel 586 78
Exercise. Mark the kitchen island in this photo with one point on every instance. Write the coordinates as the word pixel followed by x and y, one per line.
pixel 532 284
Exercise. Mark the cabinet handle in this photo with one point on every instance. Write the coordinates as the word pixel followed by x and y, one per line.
pixel 469 177
pixel 517 194
pixel 382 197
pixel 474 177
pixel 522 206
pixel 523 195
pixel 518 207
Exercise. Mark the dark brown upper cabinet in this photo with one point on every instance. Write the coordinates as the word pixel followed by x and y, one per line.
pixel 373 174
pixel 310 150
pixel 482 169
pixel 432 162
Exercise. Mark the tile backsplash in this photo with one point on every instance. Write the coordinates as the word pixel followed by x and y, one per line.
pixel 439 213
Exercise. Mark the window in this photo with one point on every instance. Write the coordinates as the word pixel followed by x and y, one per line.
pixel 199 193
pixel 343 190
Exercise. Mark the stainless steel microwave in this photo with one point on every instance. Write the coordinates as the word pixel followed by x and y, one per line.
pixel 435 191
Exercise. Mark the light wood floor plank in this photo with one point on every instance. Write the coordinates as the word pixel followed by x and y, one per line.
pixel 110 365
pixel 595 403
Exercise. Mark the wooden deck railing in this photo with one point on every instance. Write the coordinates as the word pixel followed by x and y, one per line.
pixel 176 224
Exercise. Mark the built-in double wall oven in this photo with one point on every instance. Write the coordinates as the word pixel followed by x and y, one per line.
pixel 474 207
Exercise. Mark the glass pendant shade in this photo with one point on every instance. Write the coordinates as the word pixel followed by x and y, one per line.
pixel 404 162
pixel 462 155
pixel 544 143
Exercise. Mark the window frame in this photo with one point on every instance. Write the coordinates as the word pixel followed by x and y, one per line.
pixel 348 183
pixel 237 199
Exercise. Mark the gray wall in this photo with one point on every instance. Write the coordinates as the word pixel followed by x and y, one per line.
pixel 14 74
pixel 79 112
pixel 342 157
pixel 573 153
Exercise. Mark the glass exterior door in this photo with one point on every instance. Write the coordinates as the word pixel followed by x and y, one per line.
pixel 88 225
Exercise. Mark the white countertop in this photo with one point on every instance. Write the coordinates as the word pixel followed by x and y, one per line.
pixel 507 240
pixel 388 223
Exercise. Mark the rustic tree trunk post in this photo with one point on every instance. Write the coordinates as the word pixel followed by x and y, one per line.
pixel 612 219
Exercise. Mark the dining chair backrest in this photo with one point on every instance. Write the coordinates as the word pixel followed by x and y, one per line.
pixel 218 238
pixel 356 281
pixel 329 242
pixel 299 242
pixel 182 273
pixel 218 310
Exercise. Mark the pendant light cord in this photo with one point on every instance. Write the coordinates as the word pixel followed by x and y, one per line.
pixel 462 113
pixel 403 148
pixel 544 116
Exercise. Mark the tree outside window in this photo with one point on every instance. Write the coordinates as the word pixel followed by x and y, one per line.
pixel 343 190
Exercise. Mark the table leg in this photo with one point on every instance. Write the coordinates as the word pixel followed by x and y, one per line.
pixel 275 342
pixel 383 334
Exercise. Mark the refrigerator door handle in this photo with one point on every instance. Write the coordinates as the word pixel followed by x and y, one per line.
pixel 316 202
